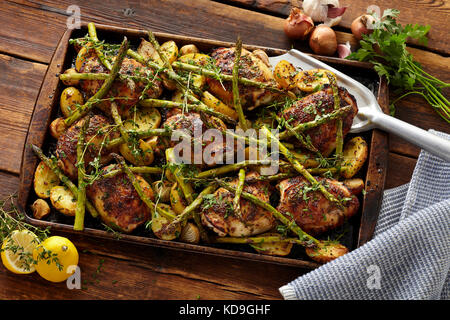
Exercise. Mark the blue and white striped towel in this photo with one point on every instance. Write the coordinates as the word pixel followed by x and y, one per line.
pixel 409 255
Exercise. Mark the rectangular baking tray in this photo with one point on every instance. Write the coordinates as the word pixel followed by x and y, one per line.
pixel 354 233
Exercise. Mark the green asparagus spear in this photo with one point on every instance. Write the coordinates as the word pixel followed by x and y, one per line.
pixel 337 104
pixel 316 122
pixel 237 195
pixel 81 196
pixel 236 99
pixel 156 103
pixel 93 34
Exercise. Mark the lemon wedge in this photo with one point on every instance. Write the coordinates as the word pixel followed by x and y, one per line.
pixel 17 251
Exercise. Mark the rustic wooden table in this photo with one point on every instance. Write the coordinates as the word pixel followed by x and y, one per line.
pixel 30 32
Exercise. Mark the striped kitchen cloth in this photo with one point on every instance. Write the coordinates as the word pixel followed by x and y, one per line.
pixel 409 255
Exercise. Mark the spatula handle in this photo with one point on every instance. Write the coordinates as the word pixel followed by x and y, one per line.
pixel 438 146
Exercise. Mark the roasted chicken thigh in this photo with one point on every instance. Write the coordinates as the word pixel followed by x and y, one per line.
pixel 128 88
pixel 218 213
pixel 97 132
pixel 117 201
pixel 319 103
pixel 310 209
pixel 250 67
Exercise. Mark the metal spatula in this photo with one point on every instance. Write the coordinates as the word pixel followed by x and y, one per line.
pixel 370 114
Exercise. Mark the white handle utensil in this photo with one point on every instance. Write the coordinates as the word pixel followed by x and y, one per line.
pixel 370 114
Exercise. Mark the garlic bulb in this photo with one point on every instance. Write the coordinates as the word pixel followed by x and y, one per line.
pixel 318 11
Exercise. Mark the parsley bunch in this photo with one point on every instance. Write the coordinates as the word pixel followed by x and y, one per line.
pixel 385 48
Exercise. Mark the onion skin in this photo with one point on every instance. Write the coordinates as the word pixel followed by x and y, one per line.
pixel 362 25
pixel 323 40
pixel 298 25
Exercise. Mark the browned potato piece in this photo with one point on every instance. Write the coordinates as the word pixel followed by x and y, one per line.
pixel 188 48
pixel 147 51
pixel 44 180
pixel 81 58
pixel 70 98
pixel 273 248
pixel 142 155
pixel 284 74
pixel 355 185
pixel 71 82
pixel 310 80
pixel 57 127
pixel 160 226
pixel 40 209
pixel 190 233
pixel 177 200
pixel 217 105
pixel 63 200
pixel 355 154
pixel 170 49
pixel 326 251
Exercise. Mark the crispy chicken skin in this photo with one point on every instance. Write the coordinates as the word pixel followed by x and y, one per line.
pixel 321 102
pixel 117 201
pixel 251 67
pixel 66 147
pixel 128 88
pixel 310 209
pixel 218 214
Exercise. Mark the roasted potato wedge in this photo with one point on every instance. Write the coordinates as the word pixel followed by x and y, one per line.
pixel 177 200
pixel 81 58
pixel 170 49
pixel 311 80
pixel 57 127
pixel 218 105
pixel 63 200
pixel 147 51
pixel 273 248
pixel 44 180
pixel 141 119
pixel 326 251
pixel 40 209
pixel 188 48
pixel 198 59
pixel 355 185
pixel 70 98
pixel 160 225
pixel 71 82
pixel 284 74
pixel 139 155
pixel 355 154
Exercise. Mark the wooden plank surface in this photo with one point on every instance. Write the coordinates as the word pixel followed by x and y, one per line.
pixel 411 11
pixel 27 40
pixel 19 86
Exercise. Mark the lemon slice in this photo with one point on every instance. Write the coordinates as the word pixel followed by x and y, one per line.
pixel 17 251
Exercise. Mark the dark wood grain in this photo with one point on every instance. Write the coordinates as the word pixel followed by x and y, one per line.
pixel 19 84
pixel 438 10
